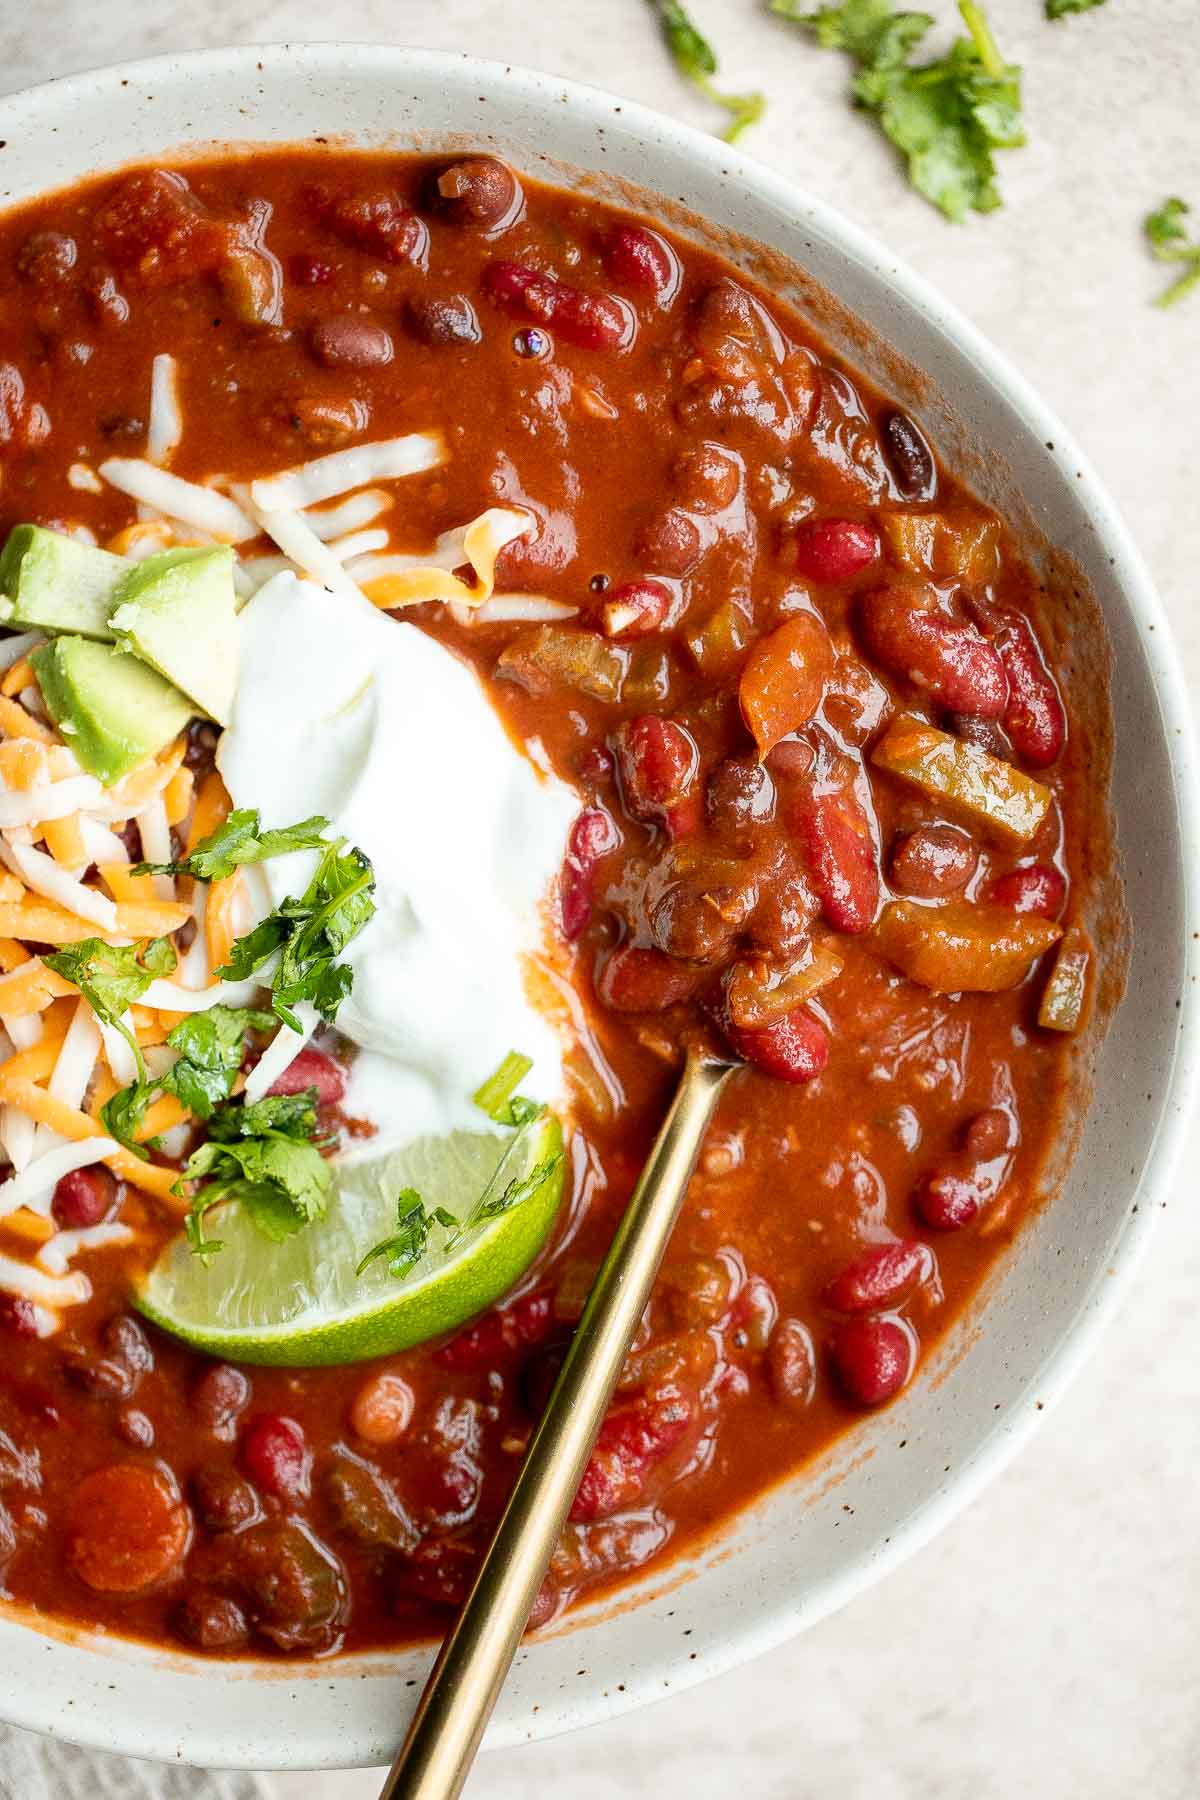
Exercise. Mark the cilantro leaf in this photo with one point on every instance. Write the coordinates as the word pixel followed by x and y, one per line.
pixel 308 934
pixel 291 1115
pixel 496 1096
pixel 405 1248
pixel 113 977
pixel 1167 236
pixel 211 1048
pixel 276 1174
pixel 1058 9
pixel 240 840
pixel 946 116
pixel 695 58
pixel 123 1112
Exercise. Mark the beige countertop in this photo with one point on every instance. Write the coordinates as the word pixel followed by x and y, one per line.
pixel 1046 1645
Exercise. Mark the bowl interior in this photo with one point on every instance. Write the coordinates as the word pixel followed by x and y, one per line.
pixel 801 1552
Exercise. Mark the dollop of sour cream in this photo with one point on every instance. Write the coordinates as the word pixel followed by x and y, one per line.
pixel 345 712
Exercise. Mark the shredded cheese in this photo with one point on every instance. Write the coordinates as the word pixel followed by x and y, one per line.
pixel 14 649
pixel 57 800
pixel 326 477
pixel 58 1252
pixel 351 515
pixel 31 1283
pixel 198 506
pixel 34 1186
pixel 41 873
pixel 281 1052
pixel 403 580
pixel 165 428
pixel 155 834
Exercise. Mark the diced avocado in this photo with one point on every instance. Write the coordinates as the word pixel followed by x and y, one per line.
pixel 178 612
pixel 51 580
pixel 112 710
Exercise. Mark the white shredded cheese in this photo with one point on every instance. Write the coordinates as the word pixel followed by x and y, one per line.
pixel 349 515
pixel 358 543
pixel 155 834
pixel 256 571
pixel 84 479
pixel 41 873
pixel 281 1052
pixel 34 1186
pixel 72 1072
pixel 56 800
pixel 187 501
pixel 193 970
pixel 12 649
pixel 17 1128
pixel 172 998
pixel 307 552
pixel 505 608
pixel 59 1251
pixel 166 420
pixel 35 1284
pixel 118 1052
pixel 101 844
pixel 328 476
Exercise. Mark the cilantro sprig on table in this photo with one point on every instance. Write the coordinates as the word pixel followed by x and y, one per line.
pixel 946 116
pixel 498 1098
pixel 265 1156
pixel 1167 236
pixel 696 59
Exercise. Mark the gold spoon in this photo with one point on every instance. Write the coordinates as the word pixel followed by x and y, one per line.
pixel 465 1681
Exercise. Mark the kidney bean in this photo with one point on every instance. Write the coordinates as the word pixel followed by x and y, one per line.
pixel 636 607
pixel 686 924
pixel 127 1343
pixel 312 1069
pixel 633 979
pixel 960 669
pixel 84 1197
pixel 794 1047
pixel 480 193
pixel 792 1364
pixel 224 1501
pixel 129 1528
pixel 104 1377
pixel 657 761
pixel 437 320
pixel 1034 717
pixel 499 1335
pixel 219 1399
pixel 17 1316
pixel 275 1455
pixel 103 298
pixel 946 1201
pixel 874 1358
pixel 439 1571
pixel 637 257
pixel 932 861
pixel 880 1277
pixel 635 1437
pixel 366 1505
pixel 350 341
pixel 382 1409
pixel 831 551
pixel 590 321
pixel 592 836
pixel 781 923
pixel 377 222
pixel 836 833
pixel 909 458
pixel 671 543
pixel 211 1621
pixel 1032 888
pixel 988 1134
pixel 739 797
pixel 135 1429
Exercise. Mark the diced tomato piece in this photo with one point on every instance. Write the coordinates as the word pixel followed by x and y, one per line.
pixel 1033 888
pixel 792 1048
pixel 880 1277
pixel 637 257
pixel 783 682
pixel 499 1335
pixel 155 225
pixel 1034 718
pixel 831 551
pixel 657 762
pixel 130 1528
pixel 635 979
pixel 946 1201
pixel 312 1069
pixel 377 221
pixel 275 1455
pixel 836 833
pixel 589 321
pixel 874 1358
pixel 908 636
pixel 592 836
pixel 636 1436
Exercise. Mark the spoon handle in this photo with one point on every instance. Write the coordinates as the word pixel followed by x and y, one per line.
pixel 440 1746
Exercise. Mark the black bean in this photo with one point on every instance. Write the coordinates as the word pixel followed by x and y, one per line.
pixel 909 457
pixel 211 1621
pixel 740 795
pixel 480 191
pixel 224 1499
pixel 220 1397
pixel 440 320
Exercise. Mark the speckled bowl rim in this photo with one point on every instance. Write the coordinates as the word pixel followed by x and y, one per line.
pixel 152 1704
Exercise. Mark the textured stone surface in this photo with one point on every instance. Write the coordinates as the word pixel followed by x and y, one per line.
pixel 1046 1644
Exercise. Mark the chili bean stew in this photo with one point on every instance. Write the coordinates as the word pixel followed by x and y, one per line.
pixel 831 813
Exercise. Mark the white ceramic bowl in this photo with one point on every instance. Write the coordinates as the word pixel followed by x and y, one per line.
pixel 798 1555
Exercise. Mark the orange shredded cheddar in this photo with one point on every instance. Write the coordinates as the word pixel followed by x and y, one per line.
pixel 164 1115
pixel 123 884
pixel 24 1094
pixel 23 763
pixel 148 1026
pixel 169 1020
pixel 12 954
pixel 29 1226
pixel 220 927
pixel 30 988
pixel 64 841
pixel 15 722
pixel 42 922
pixel 177 796
pixel 152 531
pixel 36 1063
pixel 212 809
pixel 19 676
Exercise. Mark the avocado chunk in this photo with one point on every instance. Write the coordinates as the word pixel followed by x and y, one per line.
pixel 111 709
pixel 178 612
pixel 50 580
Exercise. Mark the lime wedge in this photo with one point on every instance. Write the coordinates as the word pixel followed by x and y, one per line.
pixel 301 1302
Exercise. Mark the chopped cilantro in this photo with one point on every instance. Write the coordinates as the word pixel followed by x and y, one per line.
pixel 265 1158
pixel 946 116
pixel 211 1048
pixel 113 977
pixel 1169 243
pixel 239 840
pixel 695 58
pixel 408 1244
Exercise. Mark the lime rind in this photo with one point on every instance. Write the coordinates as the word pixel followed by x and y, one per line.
pixel 301 1302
